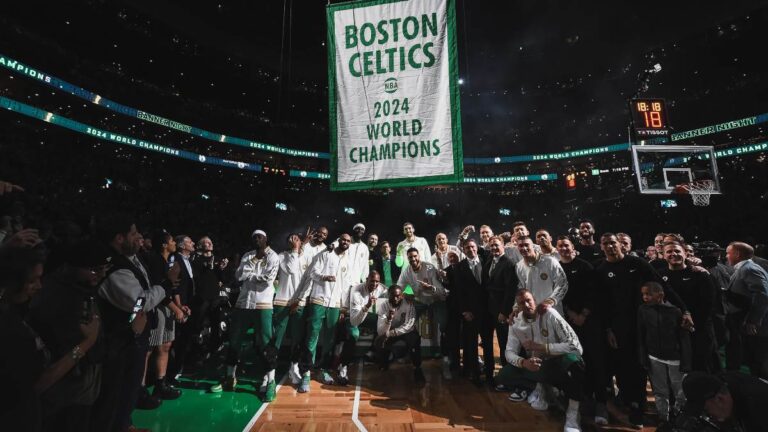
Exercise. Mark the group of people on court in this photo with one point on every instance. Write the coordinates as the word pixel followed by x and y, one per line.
pixel 569 314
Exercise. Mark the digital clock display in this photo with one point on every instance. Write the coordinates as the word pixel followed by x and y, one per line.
pixel 649 117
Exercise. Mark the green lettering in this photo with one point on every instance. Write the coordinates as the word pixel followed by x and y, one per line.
pixel 385 151
pixel 367 63
pixel 428 54
pixel 352 60
pixel 435 147
pixel 379 69
pixel 416 127
pixel 411 60
pixel 425 150
pixel 391 53
pixel 395 149
pixel 367 41
pixel 414 26
pixel 374 157
pixel 396 129
pixel 352 155
pixel 395 22
pixel 350 36
pixel 402 59
pixel 363 154
pixel 426 25
pixel 382 27
pixel 413 149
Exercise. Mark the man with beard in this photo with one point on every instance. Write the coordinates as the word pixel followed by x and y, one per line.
pixel 545 244
pixel 658 263
pixel 253 309
pixel 582 313
pixel 698 293
pixel 358 253
pixel 411 241
pixel 362 313
pixel 587 249
pixel 289 278
pixel 429 293
pixel 326 284
pixel 397 323
pixel 373 249
pixel 619 278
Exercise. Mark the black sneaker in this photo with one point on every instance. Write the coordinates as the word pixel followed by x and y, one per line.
pixel 166 391
pixel 418 376
pixel 147 401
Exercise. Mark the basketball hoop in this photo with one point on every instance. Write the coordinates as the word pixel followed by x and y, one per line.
pixel 700 191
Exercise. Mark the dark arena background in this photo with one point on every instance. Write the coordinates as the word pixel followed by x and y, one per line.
pixel 212 119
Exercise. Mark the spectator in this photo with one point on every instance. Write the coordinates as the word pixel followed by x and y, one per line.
pixel 27 369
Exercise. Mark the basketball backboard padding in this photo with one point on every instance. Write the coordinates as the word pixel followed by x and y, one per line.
pixel 660 169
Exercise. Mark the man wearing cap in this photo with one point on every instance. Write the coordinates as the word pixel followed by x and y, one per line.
pixel 253 309
pixel 733 401
pixel 747 317
pixel 326 283
pixel 66 302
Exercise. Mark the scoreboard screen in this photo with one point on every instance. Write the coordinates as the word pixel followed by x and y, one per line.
pixel 649 117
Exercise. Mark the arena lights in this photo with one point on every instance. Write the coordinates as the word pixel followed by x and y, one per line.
pixel 85 129
pixel 281 206
pixel 430 212
pixel 349 210
pixel 24 70
pixel 505 212
pixel 60 84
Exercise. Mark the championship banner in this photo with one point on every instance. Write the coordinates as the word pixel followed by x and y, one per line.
pixel 394 102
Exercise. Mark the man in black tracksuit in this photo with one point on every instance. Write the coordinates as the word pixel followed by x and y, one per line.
pixel 581 312
pixel 697 292
pixel 619 278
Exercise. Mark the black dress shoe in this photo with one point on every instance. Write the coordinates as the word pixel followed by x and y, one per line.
pixel 147 401
pixel 418 376
pixel 166 391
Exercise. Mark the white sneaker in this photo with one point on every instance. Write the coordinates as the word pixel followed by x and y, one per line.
pixel 535 394
pixel 572 417
pixel 447 368
pixel 293 374
pixel 540 404
pixel 601 414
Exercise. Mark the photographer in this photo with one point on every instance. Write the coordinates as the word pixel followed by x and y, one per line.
pixel 67 301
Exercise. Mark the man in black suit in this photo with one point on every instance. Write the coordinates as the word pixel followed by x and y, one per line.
pixel 384 263
pixel 472 304
pixel 499 281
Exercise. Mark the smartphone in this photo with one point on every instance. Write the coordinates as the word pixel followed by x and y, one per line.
pixel 137 307
pixel 86 313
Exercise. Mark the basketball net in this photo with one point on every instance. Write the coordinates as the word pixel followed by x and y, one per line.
pixel 700 191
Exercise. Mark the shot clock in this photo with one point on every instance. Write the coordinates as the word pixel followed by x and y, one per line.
pixel 649 117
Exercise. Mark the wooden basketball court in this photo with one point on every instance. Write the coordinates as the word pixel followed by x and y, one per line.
pixel 388 401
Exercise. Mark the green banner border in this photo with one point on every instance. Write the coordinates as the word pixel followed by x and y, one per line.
pixel 453 73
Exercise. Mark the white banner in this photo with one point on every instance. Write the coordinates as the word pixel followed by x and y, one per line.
pixel 394 101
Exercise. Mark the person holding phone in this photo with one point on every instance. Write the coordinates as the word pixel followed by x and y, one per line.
pixel 66 303
pixel 126 342
pixel 29 368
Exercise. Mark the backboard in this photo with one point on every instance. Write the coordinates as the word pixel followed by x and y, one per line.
pixel 661 169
